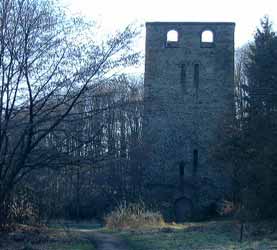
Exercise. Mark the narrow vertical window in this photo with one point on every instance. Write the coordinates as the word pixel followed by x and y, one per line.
pixel 183 78
pixel 195 161
pixel 181 176
pixel 181 169
pixel 196 80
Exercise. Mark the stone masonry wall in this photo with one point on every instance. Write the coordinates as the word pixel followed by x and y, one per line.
pixel 189 86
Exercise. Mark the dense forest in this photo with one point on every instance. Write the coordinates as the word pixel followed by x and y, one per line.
pixel 71 119
pixel 251 144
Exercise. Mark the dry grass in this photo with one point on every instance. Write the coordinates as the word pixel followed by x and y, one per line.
pixel 133 216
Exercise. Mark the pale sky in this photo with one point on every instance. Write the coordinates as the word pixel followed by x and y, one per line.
pixel 116 14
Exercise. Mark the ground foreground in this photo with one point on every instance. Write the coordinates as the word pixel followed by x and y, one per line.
pixel 223 235
pixel 203 236
pixel 61 236
pixel 42 238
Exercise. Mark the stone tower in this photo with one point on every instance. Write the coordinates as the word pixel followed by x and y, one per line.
pixel 189 85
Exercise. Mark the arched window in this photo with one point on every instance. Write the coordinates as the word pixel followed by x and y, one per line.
pixel 172 36
pixel 207 36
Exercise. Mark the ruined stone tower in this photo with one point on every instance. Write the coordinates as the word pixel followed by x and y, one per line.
pixel 189 84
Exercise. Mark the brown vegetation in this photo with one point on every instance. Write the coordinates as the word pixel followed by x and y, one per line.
pixel 133 216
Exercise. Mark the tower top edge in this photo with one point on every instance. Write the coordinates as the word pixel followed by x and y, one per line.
pixel 190 23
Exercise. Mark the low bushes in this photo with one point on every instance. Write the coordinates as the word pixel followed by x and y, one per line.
pixel 133 216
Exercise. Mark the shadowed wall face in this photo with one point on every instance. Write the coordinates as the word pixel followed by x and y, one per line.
pixel 189 71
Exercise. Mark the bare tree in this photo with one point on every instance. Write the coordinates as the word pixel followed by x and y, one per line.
pixel 241 86
pixel 47 61
pixel 94 154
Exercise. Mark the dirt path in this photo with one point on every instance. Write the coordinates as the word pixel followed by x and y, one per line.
pixel 108 242
pixel 63 237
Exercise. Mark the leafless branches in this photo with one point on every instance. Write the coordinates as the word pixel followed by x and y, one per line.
pixel 47 62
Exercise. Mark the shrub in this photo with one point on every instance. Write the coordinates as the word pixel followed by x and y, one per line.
pixel 133 216
pixel 22 206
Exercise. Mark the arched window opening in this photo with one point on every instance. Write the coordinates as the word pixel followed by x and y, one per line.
pixel 172 36
pixel 207 36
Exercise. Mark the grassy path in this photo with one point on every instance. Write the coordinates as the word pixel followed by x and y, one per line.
pixel 106 241
pixel 93 234
pixel 61 236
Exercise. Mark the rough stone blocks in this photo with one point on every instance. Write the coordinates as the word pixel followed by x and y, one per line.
pixel 189 86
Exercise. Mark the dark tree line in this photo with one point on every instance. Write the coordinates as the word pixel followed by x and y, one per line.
pixel 97 148
pixel 251 147
pixel 92 159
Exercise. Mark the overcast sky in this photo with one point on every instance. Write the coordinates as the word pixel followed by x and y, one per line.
pixel 114 14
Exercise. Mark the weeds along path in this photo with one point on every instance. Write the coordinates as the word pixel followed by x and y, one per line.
pixel 108 242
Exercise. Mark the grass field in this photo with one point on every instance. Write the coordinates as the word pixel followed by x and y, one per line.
pixel 199 236
pixel 65 246
pixel 214 235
